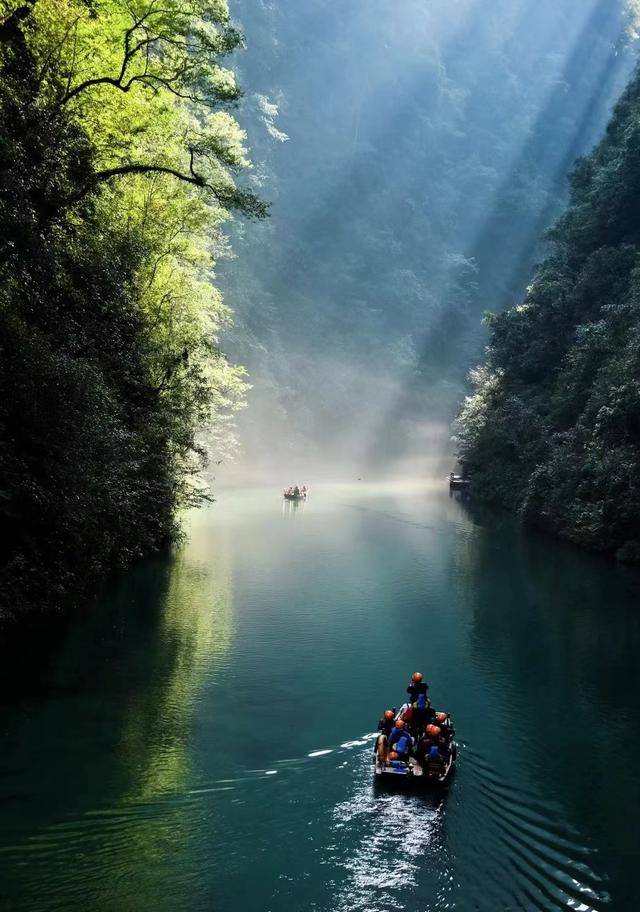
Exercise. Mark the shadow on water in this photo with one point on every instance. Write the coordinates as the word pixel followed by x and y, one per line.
pixel 555 634
pixel 97 750
pixel 33 648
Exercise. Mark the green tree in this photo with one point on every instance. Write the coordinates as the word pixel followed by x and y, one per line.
pixel 118 167
pixel 553 427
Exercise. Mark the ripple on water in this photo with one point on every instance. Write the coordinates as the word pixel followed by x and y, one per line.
pixel 484 845
pixel 533 859
pixel 379 844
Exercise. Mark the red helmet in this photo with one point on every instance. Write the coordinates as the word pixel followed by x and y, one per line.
pixel 442 716
pixel 400 724
pixel 434 730
pixel 388 714
pixel 416 676
pixel 393 755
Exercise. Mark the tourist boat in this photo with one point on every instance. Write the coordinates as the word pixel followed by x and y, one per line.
pixel 436 774
pixel 288 496
pixel 457 482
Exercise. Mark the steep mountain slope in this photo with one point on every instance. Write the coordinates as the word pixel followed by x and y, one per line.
pixel 428 149
pixel 553 428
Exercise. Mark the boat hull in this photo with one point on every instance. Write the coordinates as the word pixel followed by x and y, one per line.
pixel 413 774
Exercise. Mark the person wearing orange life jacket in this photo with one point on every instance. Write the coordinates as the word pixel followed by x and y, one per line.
pixel 400 740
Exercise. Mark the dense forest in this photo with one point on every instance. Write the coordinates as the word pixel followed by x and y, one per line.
pixel 413 161
pixel 553 427
pixel 411 184
pixel 117 167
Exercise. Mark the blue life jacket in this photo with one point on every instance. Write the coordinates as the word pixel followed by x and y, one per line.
pixel 434 753
pixel 421 702
pixel 403 744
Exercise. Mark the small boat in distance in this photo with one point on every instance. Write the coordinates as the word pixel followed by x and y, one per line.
pixel 457 482
pixel 295 492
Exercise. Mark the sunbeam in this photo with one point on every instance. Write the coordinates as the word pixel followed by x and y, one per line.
pixel 448 136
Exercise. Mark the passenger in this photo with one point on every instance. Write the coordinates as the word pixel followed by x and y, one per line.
pixel 419 700
pixel 447 731
pixel 417 690
pixel 385 727
pixel 428 739
pixel 385 723
pixel 424 745
pixel 296 491
pixel 416 719
pixel 394 759
pixel 400 740
pixel 435 762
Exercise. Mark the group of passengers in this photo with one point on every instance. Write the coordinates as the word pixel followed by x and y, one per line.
pixel 296 491
pixel 415 731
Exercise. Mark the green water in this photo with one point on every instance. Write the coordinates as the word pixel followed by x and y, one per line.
pixel 202 740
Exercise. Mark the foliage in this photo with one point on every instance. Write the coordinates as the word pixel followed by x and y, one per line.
pixel 429 148
pixel 118 165
pixel 553 427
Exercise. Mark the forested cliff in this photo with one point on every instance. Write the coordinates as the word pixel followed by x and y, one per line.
pixel 414 155
pixel 117 167
pixel 553 427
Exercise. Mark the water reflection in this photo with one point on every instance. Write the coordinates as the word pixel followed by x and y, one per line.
pixel 293 508
pixel 191 642
pixel 131 677
pixel 199 740
pixel 555 635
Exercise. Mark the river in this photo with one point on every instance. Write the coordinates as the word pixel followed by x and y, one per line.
pixel 202 738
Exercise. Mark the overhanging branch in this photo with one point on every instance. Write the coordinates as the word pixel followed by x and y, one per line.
pixel 100 177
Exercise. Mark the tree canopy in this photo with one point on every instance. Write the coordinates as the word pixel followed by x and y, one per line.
pixel 119 164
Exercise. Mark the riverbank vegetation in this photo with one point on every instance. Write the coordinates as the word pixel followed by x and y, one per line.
pixel 118 165
pixel 553 427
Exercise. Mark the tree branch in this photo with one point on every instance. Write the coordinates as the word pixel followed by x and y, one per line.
pixel 101 176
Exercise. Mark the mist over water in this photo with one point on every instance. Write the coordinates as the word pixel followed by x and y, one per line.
pixel 202 739
pixel 414 154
